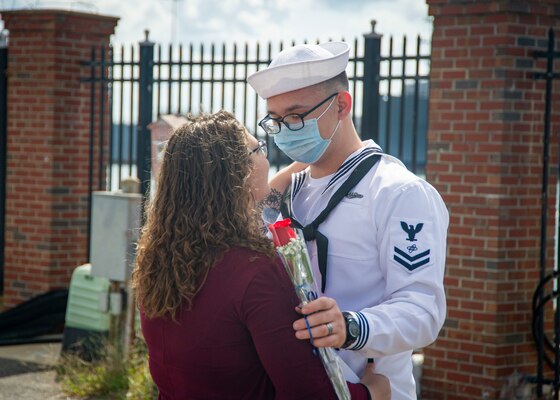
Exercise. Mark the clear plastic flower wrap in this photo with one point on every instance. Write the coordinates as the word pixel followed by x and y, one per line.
pixel 293 253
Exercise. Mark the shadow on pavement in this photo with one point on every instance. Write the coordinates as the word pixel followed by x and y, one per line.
pixel 10 367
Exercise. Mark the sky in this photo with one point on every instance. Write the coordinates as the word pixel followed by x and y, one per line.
pixel 252 21
pixel 219 21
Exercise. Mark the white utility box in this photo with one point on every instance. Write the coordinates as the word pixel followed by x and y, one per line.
pixel 115 225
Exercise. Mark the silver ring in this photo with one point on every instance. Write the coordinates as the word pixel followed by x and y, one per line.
pixel 329 329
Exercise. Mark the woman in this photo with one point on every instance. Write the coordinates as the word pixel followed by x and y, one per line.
pixel 216 306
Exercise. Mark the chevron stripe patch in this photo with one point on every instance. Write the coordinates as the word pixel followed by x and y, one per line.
pixel 411 243
pixel 411 262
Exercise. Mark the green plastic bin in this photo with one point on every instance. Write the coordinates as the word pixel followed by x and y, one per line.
pixel 87 326
pixel 82 310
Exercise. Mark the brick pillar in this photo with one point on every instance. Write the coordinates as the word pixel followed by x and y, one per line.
pixel 485 158
pixel 48 147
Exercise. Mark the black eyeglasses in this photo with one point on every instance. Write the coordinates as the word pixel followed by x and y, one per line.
pixel 293 122
pixel 262 147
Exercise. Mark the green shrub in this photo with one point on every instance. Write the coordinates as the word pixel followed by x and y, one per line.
pixel 110 377
pixel 140 383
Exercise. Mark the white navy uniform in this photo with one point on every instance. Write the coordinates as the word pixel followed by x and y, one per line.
pixel 386 260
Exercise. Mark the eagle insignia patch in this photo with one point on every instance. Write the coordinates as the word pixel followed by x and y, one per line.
pixel 411 242
pixel 411 230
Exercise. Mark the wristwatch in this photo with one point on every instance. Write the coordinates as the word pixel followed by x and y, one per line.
pixel 352 328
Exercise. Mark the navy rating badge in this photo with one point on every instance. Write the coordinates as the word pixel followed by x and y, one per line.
pixel 411 241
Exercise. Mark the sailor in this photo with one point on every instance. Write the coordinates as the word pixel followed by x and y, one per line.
pixel 376 233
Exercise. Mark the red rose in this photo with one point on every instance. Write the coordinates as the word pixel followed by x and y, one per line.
pixel 282 232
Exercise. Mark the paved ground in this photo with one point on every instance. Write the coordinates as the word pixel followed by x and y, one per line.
pixel 26 372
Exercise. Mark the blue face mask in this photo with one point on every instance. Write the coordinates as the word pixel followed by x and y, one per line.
pixel 305 145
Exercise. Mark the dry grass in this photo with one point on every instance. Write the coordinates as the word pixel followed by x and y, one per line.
pixel 110 377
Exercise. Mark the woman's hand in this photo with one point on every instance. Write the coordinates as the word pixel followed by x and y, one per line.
pixel 320 314
pixel 282 179
pixel 377 384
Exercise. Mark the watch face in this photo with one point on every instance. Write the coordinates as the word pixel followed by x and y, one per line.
pixel 354 329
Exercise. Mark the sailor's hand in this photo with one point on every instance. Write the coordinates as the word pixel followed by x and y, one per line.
pixel 324 320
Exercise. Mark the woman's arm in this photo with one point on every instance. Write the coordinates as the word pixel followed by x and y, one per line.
pixel 269 207
pixel 268 312
pixel 283 177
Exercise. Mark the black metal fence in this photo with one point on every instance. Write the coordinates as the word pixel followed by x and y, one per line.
pixel 3 151
pixel 390 95
pixel 548 351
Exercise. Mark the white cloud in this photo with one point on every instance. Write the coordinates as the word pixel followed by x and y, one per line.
pixel 283 4
pixel 251 20
pixel 254 3
pixel 191 10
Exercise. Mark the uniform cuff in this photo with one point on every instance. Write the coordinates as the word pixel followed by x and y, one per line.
pixel 364 332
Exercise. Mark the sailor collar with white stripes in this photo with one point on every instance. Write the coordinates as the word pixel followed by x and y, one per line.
pixel 347 167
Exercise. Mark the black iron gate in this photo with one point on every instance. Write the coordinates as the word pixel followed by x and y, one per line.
pixel 548 351
pixel 3 151
pixel 390 95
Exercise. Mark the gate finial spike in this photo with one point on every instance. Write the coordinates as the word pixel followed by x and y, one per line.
pixel 147 34
pixel 372 34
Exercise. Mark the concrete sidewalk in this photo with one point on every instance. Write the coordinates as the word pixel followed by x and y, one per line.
pixel 27 372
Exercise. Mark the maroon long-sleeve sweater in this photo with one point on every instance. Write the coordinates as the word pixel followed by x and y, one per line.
pixel 237 342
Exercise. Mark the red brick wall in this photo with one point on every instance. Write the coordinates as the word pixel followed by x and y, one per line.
pixel 485 157
pixel 48 147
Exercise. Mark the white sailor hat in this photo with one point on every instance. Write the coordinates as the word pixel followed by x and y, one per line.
pixel 299 67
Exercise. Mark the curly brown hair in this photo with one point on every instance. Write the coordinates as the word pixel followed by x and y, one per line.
pixel 202 207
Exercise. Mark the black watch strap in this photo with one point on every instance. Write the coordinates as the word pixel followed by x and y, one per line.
pixel 352 329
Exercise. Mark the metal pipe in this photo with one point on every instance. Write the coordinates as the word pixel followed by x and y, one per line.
pixel 111 77
pixel 101 121
pixel 131 115
pixel 121 109
pixel 91 142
